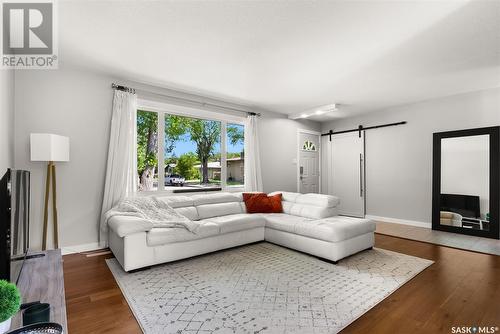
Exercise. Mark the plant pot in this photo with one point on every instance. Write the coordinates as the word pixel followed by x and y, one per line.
pixel 5 326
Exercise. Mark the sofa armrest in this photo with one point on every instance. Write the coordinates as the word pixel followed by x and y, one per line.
pixel 125 225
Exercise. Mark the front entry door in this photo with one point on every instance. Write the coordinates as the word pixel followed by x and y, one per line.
pixel 308 163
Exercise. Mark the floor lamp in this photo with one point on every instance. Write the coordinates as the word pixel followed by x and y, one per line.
pixel 49 148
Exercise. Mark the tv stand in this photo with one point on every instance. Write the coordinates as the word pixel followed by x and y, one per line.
pixel 475 223
pixel 42 280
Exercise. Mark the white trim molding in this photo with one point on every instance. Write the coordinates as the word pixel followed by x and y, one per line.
pixel 173 109
pixel 399 221
pixel 80 248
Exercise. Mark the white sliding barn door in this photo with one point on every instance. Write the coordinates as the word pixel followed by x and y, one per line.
pixel 346 172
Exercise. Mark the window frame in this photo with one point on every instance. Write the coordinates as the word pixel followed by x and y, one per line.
pixel 162 109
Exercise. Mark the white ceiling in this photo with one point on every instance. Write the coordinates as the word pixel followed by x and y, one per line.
pixel 291 56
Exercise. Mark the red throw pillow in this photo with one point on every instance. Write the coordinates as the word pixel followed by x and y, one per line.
pixel 261 203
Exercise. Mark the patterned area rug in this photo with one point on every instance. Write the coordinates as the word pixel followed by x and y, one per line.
pixel 262 288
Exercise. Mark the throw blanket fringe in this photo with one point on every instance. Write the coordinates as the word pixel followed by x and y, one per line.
pixel 153 210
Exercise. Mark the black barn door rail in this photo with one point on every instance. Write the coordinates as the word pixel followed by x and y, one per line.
pixel 361 128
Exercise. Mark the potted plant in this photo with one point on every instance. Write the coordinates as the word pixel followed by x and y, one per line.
pixel 10 301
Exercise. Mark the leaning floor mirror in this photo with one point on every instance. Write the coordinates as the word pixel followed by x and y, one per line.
pixel 466 182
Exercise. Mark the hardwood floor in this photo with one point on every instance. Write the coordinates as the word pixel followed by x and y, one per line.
pixel 94 302
pixel 460 289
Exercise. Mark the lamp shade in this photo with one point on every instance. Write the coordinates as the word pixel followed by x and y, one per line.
pixel 49 147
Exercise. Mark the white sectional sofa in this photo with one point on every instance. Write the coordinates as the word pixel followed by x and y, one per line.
pixel 309 223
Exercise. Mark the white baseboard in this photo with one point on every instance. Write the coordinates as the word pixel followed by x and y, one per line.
pixel 400 221
pixel 80 248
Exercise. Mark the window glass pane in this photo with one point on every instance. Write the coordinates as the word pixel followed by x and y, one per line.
pixel 147 150
pixel 235 160
pixel 192 152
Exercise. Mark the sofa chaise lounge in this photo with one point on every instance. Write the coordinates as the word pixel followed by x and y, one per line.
pixel 309 223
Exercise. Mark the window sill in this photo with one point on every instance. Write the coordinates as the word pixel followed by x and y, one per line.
pixel 194 190
pixel 229 189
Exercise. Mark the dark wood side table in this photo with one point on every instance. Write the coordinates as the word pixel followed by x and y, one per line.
pixel 42 280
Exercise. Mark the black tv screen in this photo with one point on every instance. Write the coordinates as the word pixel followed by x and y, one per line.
pixel 465 205
pixel 14 222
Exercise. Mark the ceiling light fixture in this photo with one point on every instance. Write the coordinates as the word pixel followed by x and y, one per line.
pixel 315 111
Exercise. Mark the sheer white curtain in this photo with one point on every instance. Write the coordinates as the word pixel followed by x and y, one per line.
pixel 121 171
pixel 253 174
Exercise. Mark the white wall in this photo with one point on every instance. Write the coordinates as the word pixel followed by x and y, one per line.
pixel 278 150
pixel 77 104
pixel 399 158
pixel 6 120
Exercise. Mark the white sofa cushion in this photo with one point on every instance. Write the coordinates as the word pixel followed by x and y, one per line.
pixel 220 209
pixel 238 222
pixel 190 212
pixel 215 198
pixel 208 227
pixel 308 211
pixel 283 221
pixel 178 201
pixel 286 196
pixel 320 200
pixel 126 225
pixel 324 201
pixel 162 236
pixel 335 229
pixel 314 206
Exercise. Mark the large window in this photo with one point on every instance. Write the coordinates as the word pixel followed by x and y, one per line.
pixel 179 152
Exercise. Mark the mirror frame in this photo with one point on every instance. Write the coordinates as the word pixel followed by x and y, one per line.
pixel 493 132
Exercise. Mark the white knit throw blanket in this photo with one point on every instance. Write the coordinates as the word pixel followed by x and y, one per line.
pixel 153 210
